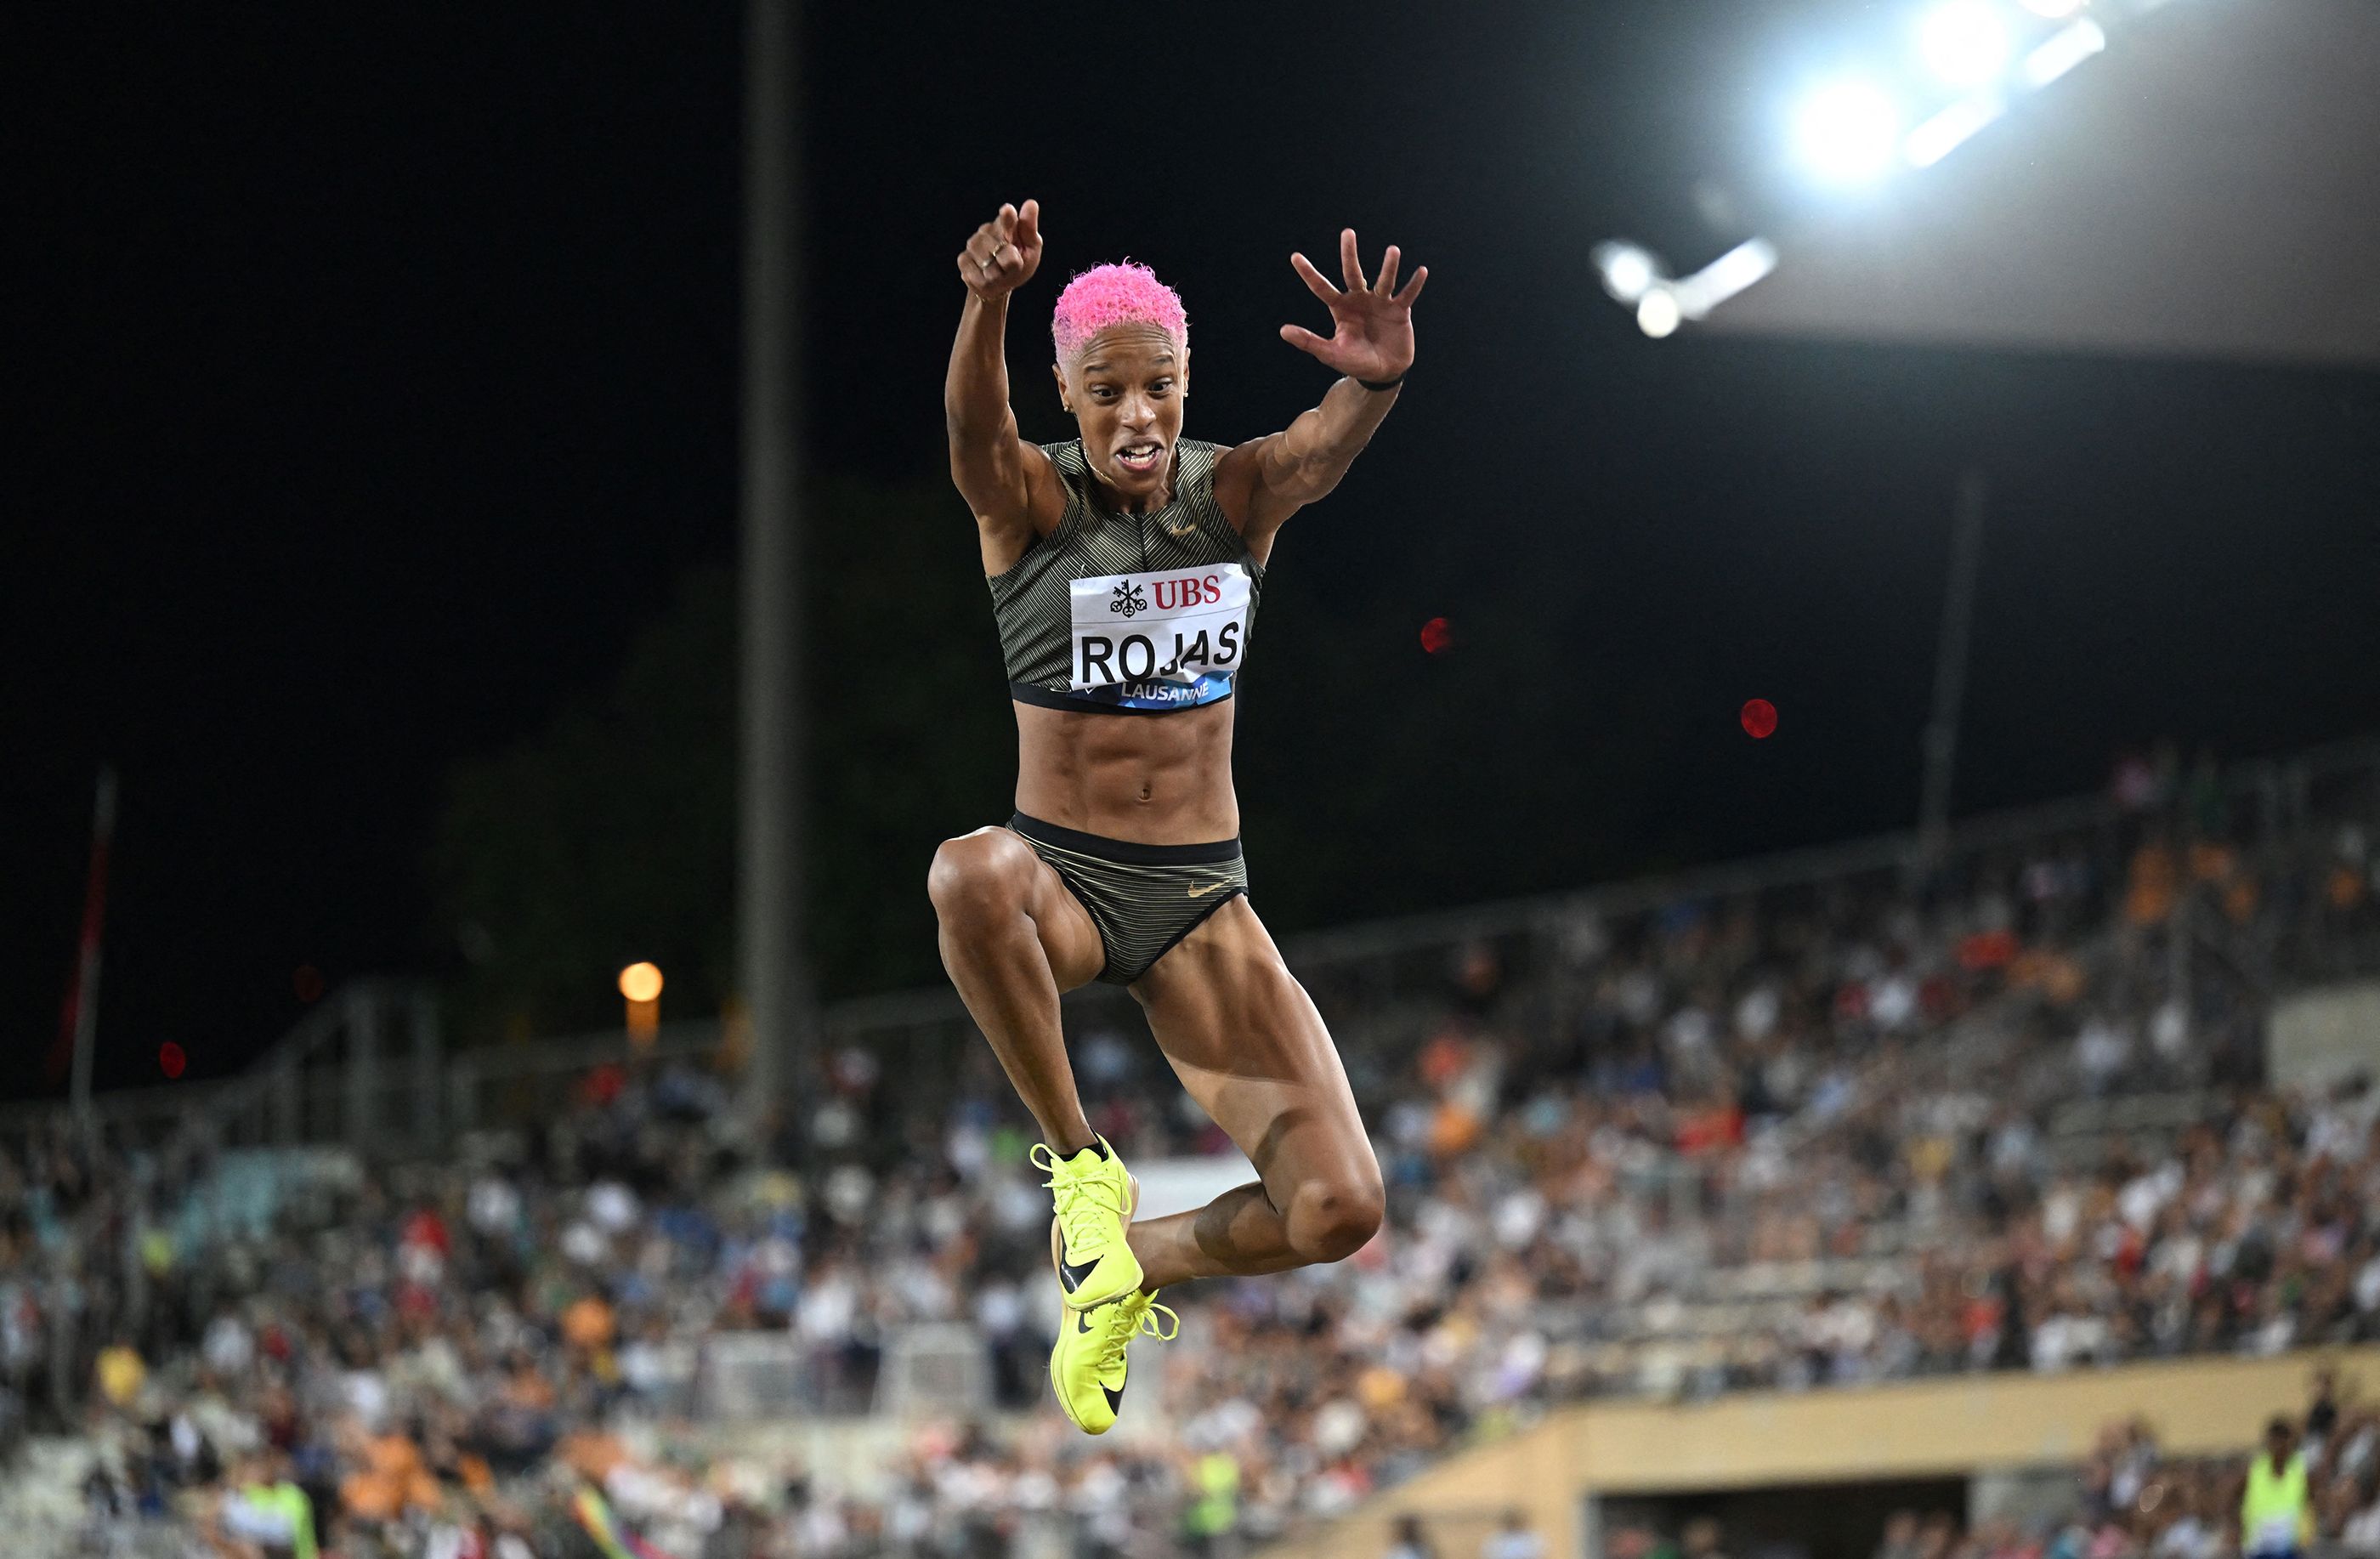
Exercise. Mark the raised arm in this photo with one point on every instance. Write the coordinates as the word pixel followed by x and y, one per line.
pixel 1262 482
pixel 1008 482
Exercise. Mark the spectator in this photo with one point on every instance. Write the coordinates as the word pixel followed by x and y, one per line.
pixel 1701 1540
pixel 1514 1539
pixel 1900 1540
pixel 1759 1081
pixel 2276 1505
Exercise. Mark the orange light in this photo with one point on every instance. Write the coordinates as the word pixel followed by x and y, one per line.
pixel 642 983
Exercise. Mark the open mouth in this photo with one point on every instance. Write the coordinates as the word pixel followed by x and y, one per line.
pixel 1142 456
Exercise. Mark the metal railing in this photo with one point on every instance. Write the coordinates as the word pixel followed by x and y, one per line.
pixel 361 1068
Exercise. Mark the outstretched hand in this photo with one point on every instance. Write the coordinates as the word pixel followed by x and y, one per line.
pixel 1003 253
pixel 1371 322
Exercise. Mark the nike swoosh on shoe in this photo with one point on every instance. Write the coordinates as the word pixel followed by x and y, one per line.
pixel 1114 1395
pixel 1072 1273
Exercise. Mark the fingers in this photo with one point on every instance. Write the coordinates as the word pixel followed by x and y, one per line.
pixel 1004 251
pixel 1303 339
pixel 990 267
pixel 1351 266
pixel 1315 281
pixel 1002 227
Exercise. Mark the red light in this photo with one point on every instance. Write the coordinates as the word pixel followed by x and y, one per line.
pixel 1759 718
pixel 170 1059
pixel 307 983
pixel 1437 635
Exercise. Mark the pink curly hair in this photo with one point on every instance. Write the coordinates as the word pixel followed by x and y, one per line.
pixel 1107 295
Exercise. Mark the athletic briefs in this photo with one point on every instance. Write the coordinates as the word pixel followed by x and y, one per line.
pixel 1143 898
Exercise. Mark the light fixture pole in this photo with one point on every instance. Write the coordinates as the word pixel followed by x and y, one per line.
pixel 779 1001
pixel 1941 741
pixel 82 1017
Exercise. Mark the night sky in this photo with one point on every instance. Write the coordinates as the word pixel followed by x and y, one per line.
pixel 373 381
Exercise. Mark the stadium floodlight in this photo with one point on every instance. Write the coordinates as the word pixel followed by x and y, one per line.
pixel 1936 139
pixel 1666 304
pixel 1657 314
pixel 2063 50
pixel 1848 132
pixel 1629 271
pixel 1965 43
pixel 1697 294
pixel 1851 131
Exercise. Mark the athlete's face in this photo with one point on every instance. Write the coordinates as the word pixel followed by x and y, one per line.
pixel 1126 391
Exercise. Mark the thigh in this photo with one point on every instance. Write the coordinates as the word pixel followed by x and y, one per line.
pixel 1069 937
pixel 1246 1041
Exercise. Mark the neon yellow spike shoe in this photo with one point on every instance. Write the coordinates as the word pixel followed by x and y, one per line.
pixel 1087 1367
pixel 1095 1197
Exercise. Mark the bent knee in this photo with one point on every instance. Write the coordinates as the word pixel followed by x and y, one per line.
pixel 979 873
pixel 1332 1218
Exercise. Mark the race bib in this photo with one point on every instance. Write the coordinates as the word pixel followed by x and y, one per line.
pixel 1161 640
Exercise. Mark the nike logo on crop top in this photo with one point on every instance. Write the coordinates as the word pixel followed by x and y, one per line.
pixel 1168 640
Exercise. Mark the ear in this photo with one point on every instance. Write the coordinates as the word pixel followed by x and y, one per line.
pixel 1059 372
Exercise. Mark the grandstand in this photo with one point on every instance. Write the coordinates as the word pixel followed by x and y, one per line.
pixel 1747 1207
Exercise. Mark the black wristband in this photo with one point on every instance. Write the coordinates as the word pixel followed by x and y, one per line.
pixel 1383 383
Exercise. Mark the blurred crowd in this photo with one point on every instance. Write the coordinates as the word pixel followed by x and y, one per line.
pixel 2130 1499
pixel 1828 1132
pixel 2135 1501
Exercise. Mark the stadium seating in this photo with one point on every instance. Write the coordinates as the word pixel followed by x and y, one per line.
pixel 1837 1124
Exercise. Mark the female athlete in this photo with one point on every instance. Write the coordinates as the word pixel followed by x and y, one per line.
pixel 1125 568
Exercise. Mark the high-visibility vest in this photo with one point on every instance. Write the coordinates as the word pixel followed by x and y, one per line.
pixel 1217 1509
pixel 2276 1513
pixel 291 1502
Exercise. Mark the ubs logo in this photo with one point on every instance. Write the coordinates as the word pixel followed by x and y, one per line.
pixel 1128 601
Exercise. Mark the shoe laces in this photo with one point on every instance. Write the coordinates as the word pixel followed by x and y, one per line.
pixel 1135 1317
pixel 1087 1198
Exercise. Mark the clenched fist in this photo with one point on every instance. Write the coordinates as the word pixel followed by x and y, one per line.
pixel 1004 252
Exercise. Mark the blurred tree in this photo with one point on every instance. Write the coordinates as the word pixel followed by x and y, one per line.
pixel 610 835
pixel 606 837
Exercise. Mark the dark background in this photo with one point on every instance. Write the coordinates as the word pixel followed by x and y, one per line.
pixel 373 392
